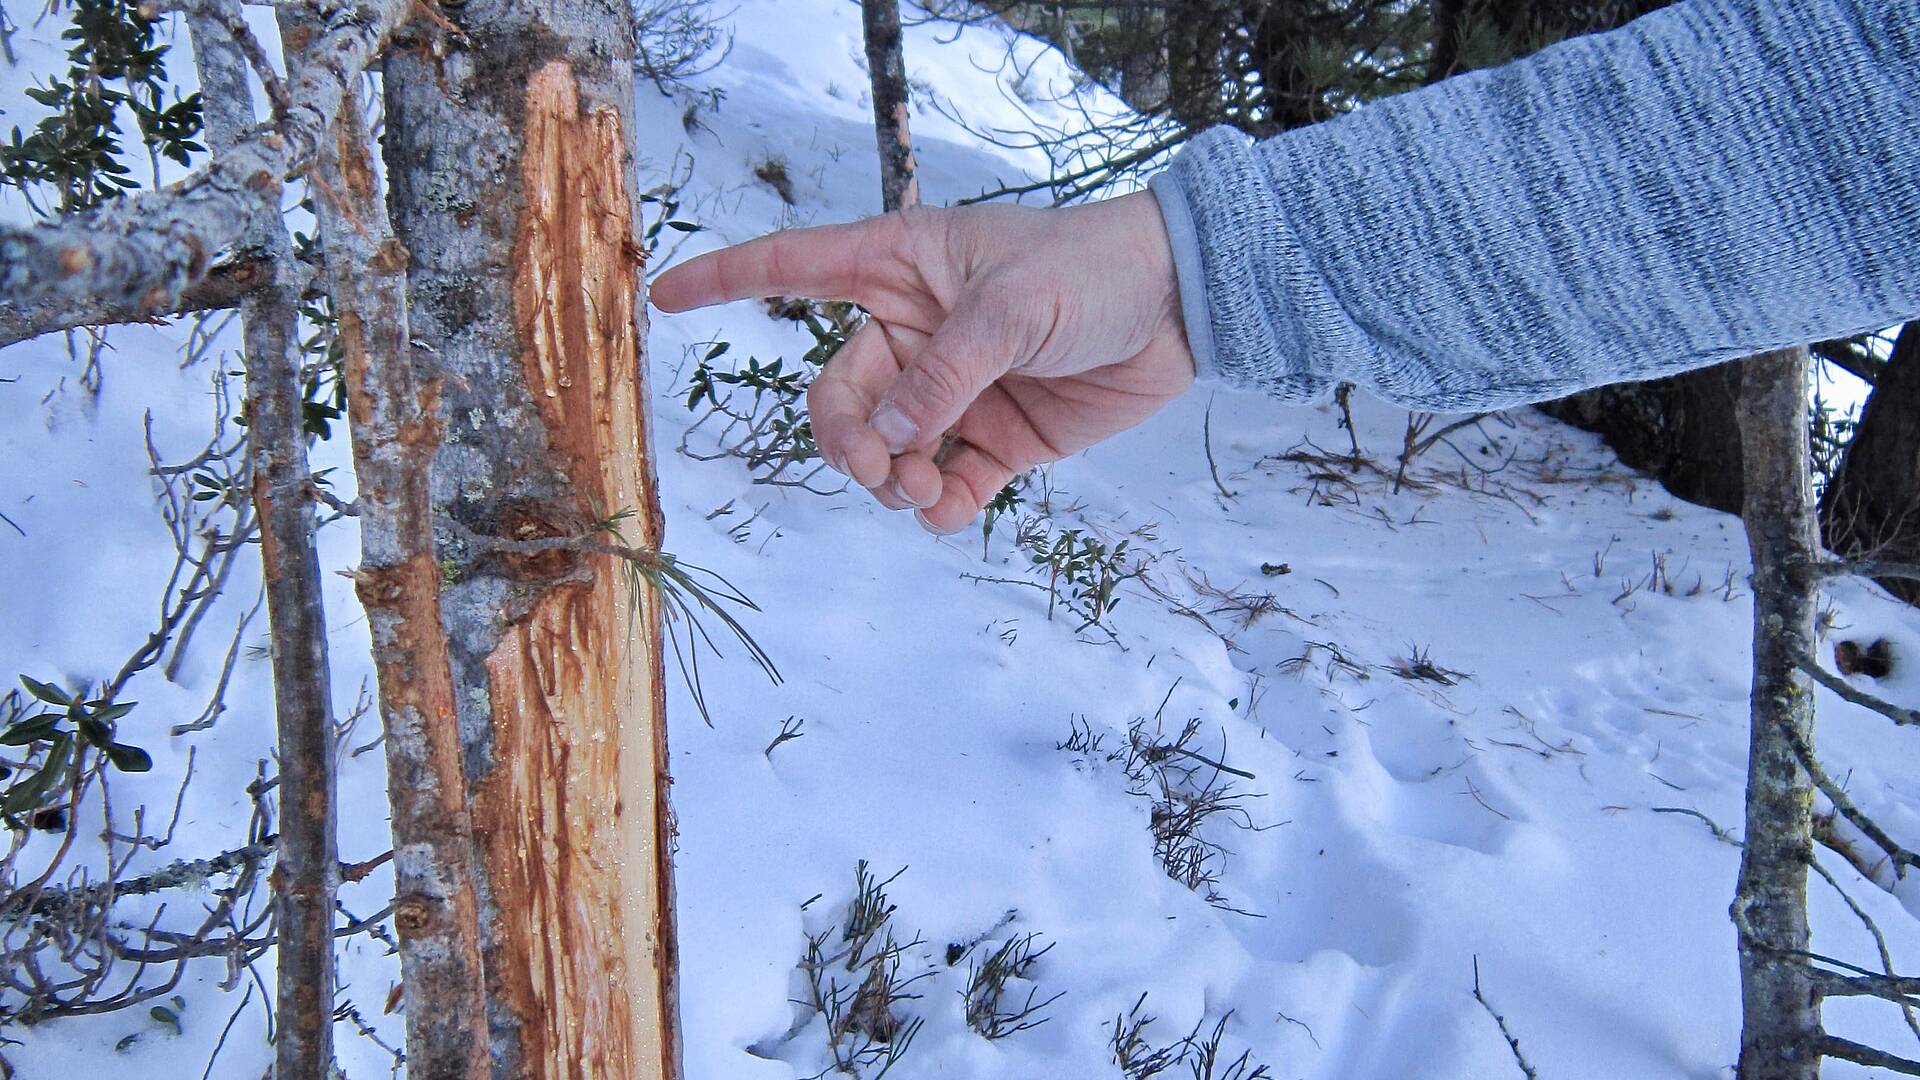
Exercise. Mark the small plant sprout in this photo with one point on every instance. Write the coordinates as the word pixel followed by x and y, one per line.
pixel 1185 788
pixel 989 1011
pixel 1004 502
pixel 1085 570
pixel 855 985
pixel 1418 666
pixel 755 411
pixel 49 731
pixel 774 172
pixel 789 731
pixel 1201 1056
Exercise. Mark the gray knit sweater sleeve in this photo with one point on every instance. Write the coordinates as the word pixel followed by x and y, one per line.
pixel 1718 178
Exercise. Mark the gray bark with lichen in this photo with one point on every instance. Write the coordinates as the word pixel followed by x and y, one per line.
pixel 509 153
pixel 307 865
pixel 396 429
pixel 1780 1035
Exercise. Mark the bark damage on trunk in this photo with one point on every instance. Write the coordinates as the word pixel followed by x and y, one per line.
pixel 887 70
pixel 509 151
pixel 577 844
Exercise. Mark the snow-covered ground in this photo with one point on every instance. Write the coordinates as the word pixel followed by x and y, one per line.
pixel 1501 808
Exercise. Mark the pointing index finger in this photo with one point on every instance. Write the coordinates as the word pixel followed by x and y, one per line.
pixel 821 263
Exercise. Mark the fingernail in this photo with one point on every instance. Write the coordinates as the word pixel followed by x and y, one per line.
pixel 894 428
pixel 838 463
pixel 901 494
pixel 931 527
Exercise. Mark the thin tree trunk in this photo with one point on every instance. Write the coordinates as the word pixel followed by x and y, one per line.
pixel 1872 507
pixel 511 164
pixel 887 68
pixel 394 412
pixel 307 866
pixel 1780 1011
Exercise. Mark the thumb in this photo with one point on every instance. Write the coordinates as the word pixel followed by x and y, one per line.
pixel 975 346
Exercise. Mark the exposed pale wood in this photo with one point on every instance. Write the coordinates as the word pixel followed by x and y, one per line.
pixel 576 833
pixel 511 166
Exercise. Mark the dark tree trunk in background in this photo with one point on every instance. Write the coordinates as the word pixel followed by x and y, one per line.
pixel 1143 69
pixel 1279 36
pixel 1196 74
pixel 1683 430
pixel 1872 507
pixel 1449 23
pixel 1780 1012
pixel 887 70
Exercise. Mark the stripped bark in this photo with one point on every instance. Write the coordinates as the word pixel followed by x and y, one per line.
pixel 141 253
pixel 1780 1036
pixel 511 165
pixel 887 69
pixel 393 408
pixel 307 867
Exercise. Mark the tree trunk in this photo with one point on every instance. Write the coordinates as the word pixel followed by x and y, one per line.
pixel 887 68
pixel 1142 63
pixel 510 161
pixel 1683 430
pixel 1872 507
pixel 306 872
pixel 1780 1012
pixel 1279 36
pixel 1449 23
pixel 393 410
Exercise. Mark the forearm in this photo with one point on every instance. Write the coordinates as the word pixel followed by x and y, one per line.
pixel 1719 178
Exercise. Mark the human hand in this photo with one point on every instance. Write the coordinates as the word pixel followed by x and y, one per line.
pixel 1026 334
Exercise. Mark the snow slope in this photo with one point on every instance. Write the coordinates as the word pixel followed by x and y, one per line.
pixel 1401 827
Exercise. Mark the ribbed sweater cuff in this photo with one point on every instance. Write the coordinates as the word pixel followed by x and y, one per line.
pixel 1231 246
pixel 1190 272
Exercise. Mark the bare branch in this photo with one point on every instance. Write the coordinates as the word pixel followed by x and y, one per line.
pixel 141 253
pixel 1844 805
pixel 224 287
pixel 1899 714
pixel 306 874
pixel 1834 1046
pixel 1879 940
pixel 1869 568
pixel 1526 1068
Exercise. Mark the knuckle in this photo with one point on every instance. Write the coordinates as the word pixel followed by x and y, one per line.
pixel 938 385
